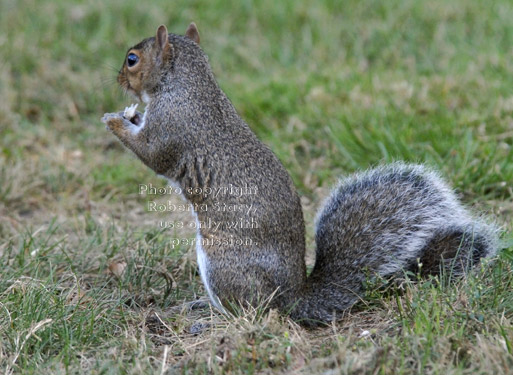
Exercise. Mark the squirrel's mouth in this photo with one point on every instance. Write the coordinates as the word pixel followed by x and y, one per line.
pixel 127 87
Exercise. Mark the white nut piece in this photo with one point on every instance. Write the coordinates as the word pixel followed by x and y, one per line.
pixel 129 112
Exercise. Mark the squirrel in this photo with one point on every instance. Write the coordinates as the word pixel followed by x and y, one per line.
pixel 385 221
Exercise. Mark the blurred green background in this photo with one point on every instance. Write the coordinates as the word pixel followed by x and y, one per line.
pixel 331 87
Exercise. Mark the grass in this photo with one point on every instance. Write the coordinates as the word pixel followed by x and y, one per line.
pixel 91 283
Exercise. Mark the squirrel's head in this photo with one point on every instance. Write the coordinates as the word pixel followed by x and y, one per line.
pixel 148 62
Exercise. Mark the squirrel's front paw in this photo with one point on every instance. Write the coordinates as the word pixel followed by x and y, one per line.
pixel 113 122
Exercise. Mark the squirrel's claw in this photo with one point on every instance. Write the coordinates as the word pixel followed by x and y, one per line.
pixel 107 117
pixel 113 121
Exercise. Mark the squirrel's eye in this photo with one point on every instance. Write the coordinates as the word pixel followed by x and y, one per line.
pixel 132 59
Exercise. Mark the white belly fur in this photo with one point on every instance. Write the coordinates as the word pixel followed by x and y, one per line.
pixel 202 258
pixel 203 265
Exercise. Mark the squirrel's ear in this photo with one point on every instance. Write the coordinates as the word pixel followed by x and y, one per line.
pixel 192 33
pixel 162 38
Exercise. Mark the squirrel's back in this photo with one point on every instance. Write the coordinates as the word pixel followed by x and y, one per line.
pixel 386 221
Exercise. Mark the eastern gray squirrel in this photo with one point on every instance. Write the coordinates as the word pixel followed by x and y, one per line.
pixel 384 222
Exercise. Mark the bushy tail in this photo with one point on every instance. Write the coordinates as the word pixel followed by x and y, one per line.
pixel 385 221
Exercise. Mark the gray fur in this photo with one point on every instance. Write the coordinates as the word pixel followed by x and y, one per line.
pixel 384 222
pixel 380 221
